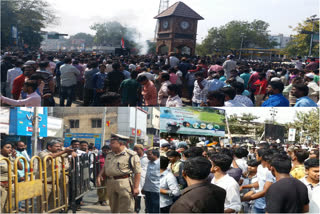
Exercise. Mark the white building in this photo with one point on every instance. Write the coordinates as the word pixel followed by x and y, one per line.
pixel 137 118
pixel 153 126
pixel 52 42
pixel 281 40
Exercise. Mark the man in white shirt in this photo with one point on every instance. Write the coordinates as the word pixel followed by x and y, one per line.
pixel 12 74
pixel 173 100
pixel 298 63
pixel 229 95
pixel 138 148
pixel 239 87
pixel 200 90
pixel 312 182
pixel 163 92
pixel 265 180
pixel 239 153
pixel 173 60
pixel 109 66
pixel 68 79
pixel 169 187
pixel 147 74
pixel 228 66
pixel 220 164
pixel 33 98
pixel 313 87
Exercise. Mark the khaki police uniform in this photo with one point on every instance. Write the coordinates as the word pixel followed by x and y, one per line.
pixel 102 193
pixel 50 198
pixel 120 180
pixel 4 169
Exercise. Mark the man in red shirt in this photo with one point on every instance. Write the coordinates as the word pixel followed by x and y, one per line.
pixel 261 86
pixel 18 82
pixel 201 67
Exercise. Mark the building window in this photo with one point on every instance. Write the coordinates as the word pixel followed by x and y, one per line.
pixel 74 124
pixel 96 123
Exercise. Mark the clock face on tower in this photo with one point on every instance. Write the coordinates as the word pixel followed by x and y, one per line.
pixel 165 25
pixel 184 25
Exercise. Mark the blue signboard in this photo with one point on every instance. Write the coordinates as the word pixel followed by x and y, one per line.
pixel 69 136
pixel 21 121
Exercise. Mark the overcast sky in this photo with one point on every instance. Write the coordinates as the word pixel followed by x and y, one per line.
pixel 284 115
pixel 78 15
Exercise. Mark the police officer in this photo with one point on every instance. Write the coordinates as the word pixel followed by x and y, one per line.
pixel 54 150
pixel 122 170
pixel 6 152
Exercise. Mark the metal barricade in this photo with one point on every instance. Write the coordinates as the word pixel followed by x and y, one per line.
pixel 53 202
pixel 31 187
pixel 35 185
pixel 84 170
pixel 47 183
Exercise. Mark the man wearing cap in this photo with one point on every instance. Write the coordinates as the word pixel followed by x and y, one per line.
pixel 313 87
pixel 229 65
pixel 164 149
pixel 118 168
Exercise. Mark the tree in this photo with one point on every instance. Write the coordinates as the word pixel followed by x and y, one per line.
pixel 29 17
pixel 300 43
pixel 88 39
pixel 308 123
pixel 229 37
pixel 244 124
pixel 111 33
pixel 151 47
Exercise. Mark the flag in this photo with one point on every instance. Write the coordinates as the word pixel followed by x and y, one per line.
pixel 122 43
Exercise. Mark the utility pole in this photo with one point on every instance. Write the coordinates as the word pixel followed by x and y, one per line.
pixel 104 123
pixel 273 113
pixel 242 36
pixel 164 4
pixel 35 133
pixel 229 133
pixel 135 126
pixel 313 18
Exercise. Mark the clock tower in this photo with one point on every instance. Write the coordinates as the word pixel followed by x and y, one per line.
pixel 177 30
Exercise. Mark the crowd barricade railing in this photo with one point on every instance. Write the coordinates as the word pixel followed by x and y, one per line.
pixel 31 187
pixel 57 204
pixel 83 173
pixel 82 176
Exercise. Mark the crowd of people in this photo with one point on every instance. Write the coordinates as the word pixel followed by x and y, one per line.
pixel 183 178
pixel 36 79
pixel 241 178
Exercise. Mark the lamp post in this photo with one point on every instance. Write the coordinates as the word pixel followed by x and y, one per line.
pixel 242 36
pixel 273 113
pixel 312 19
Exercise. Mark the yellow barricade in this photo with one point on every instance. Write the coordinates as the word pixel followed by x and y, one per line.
pixel 33 187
